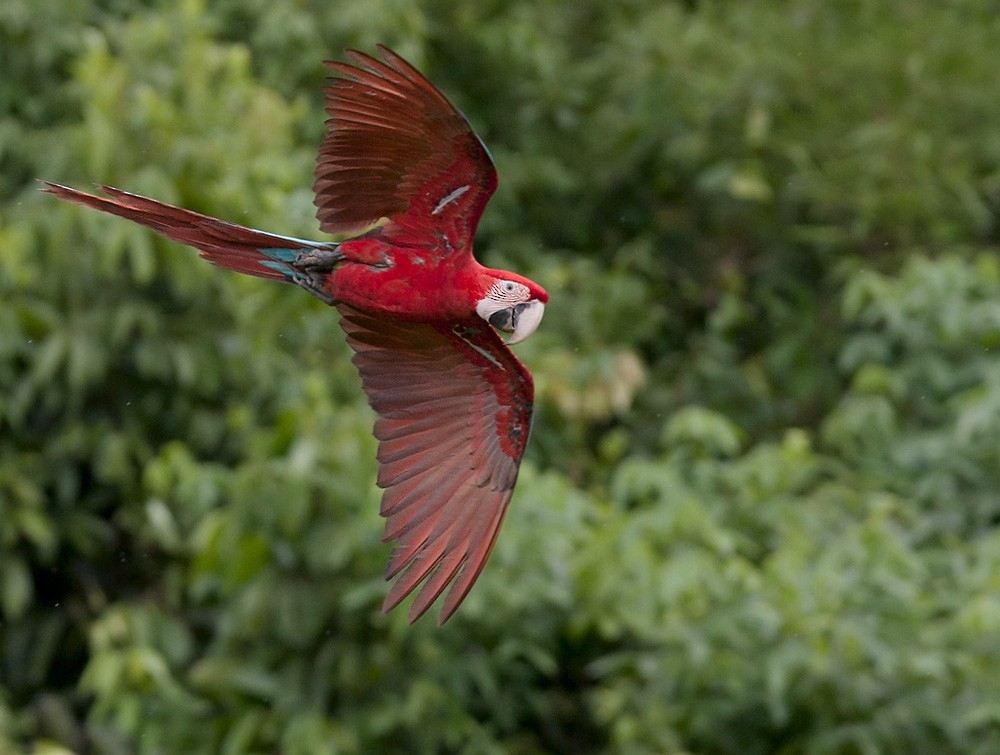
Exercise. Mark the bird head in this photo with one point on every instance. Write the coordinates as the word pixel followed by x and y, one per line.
pixel 513 304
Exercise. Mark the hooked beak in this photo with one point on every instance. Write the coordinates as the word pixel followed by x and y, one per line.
pixel 521 320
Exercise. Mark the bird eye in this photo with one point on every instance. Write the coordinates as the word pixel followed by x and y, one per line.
pixel 507 290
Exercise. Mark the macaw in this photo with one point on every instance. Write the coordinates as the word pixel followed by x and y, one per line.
pixel 401 171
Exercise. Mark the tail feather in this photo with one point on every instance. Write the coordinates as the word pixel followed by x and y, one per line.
pixel 225 244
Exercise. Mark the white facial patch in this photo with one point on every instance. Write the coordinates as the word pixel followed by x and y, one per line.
pixel 509 292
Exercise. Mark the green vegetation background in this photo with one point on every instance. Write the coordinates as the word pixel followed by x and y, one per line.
pixel 761 508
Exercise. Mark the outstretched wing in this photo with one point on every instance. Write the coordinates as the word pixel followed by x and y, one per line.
pixel 396 148
pixel 454 413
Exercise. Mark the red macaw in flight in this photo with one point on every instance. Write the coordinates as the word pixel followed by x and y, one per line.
pixel 403 168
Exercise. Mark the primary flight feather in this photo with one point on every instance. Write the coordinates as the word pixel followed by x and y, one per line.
pixel 423 317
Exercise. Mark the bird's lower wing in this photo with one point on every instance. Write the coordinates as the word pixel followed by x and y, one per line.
pixel 454 413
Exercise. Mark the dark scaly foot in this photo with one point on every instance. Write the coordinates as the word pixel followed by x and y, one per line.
pixel 322 260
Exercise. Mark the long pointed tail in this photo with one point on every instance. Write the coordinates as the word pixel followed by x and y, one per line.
pixel 228 245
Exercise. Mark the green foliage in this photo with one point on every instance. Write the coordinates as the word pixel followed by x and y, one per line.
pixel 761 508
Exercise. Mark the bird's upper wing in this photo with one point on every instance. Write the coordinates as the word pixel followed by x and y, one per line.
pixel 396 148
pixel 454 413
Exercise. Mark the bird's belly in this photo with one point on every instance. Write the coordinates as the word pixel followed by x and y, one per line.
pixel 390 291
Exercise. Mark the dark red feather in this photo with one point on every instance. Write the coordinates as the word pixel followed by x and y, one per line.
pixel 222 243
pixel 454 408
pixel 396 148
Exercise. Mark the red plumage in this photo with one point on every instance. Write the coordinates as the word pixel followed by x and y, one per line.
pixel 453 403
pixel 395 148
pixel 223 243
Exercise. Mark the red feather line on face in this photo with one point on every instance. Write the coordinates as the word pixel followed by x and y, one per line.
pixel 454 408
pixel 454 404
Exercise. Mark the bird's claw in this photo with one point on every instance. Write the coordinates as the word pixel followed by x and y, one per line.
pixel 322 260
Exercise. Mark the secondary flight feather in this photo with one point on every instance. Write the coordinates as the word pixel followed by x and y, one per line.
pixel 423 317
